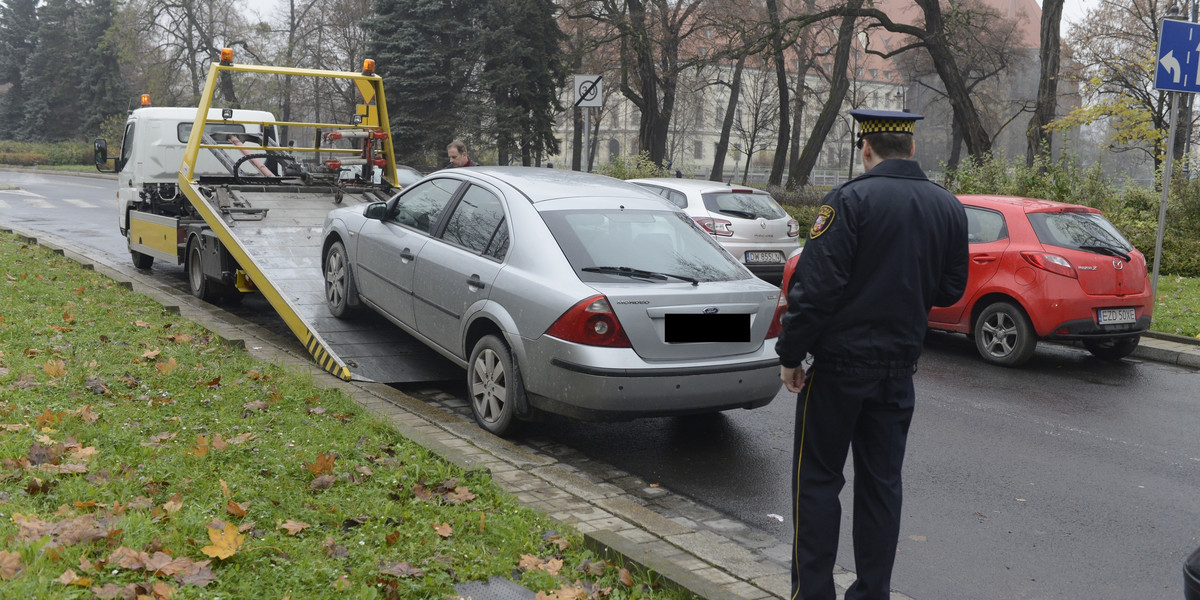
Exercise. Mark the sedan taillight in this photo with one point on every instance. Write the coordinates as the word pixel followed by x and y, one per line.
pixel 1050 262
pixel 777 321
pixel 719 227
pixel 591 322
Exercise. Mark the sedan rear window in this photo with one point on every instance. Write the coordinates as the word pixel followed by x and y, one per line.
pixel 665 244
pixel 744 205
pixel 1077 231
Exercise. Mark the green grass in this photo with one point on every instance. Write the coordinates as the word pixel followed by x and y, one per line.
pixel 125 429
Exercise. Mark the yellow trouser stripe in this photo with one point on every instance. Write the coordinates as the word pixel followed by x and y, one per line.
pixel 799 459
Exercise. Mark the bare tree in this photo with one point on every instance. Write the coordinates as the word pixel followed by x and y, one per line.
pixel 1047 96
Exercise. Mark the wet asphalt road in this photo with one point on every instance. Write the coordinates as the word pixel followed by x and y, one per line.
pixel 1069 478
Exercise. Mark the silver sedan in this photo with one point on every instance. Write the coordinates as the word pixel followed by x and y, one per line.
pixel 561 292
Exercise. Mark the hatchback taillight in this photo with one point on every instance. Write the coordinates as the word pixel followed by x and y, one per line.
pixel 1050 262
pixel 719 227
pixel 793 228
pixel 591 322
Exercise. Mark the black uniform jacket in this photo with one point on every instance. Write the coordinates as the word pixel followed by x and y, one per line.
pixel 887 246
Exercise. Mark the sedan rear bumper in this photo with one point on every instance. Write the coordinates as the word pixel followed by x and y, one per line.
pixel 574 383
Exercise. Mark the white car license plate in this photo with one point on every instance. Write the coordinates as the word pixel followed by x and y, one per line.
pixel 1116 316
pixel 760 256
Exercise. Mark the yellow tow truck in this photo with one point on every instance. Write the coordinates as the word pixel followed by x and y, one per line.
pixel 216 191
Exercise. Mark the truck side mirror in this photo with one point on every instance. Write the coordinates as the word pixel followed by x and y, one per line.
pixel 100 150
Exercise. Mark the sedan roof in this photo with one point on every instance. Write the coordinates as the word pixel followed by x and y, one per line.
pixel 541 184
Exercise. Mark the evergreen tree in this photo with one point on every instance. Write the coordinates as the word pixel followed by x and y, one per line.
pixel 523 72
pixel 52 100
pixel 18 39
pixel 426 51
pixel 100 69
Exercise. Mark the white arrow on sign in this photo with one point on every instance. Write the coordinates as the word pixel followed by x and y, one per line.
pixel 1171 64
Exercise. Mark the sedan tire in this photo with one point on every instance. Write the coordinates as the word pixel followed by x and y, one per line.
pixel 1112 348
pixel 494 383
pixel 341 294
pixel 1004 336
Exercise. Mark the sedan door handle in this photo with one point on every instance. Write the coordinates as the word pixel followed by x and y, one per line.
pixel 406 255
pixel 474 283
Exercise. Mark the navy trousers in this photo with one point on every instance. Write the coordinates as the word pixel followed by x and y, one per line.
pixel 869 411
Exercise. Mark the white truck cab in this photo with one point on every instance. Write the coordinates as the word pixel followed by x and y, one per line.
pixel 153 147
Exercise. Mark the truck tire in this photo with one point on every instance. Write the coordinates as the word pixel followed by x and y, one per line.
pixel 141 261
pixel 494 385
pixel 198 284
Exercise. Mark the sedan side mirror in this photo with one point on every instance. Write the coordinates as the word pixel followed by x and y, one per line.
pixel 376 210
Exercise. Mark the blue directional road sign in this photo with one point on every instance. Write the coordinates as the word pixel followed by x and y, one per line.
pixel 1178 57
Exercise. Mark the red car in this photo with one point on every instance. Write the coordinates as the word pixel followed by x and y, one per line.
pixel 1043 270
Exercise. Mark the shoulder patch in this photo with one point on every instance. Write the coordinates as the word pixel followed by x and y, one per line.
pixel 824 218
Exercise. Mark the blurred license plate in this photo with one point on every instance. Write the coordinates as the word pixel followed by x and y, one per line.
pixel 1116 316
pixel 762 256
pixel 694 328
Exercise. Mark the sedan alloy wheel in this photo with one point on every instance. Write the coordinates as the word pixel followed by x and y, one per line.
pixel 494 384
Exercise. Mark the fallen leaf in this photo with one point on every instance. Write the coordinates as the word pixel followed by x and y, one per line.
pixel 323 465
pixel 70 578
pixel 625 578
pixel 401 569
pixel 241 439
pixel 294 527
pixel 445 530
pixel 200 448
pixel 225 542
pixel 174 503
pixel 236 509
pixel 255 406
pixel 323 482
pixel 55 368
pixel 165 368
pixel 141 324
pixel 10 564
pixel 151 354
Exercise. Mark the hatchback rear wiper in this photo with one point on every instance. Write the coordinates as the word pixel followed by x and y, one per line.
pixel 631 272
pixel 745 214
pixel 1106 250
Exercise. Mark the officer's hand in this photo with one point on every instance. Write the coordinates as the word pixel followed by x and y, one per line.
pixel 793 378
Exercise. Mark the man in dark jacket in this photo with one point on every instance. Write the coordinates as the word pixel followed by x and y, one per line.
pixel 885 248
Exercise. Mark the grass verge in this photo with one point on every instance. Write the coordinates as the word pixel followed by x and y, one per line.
pixel 139 456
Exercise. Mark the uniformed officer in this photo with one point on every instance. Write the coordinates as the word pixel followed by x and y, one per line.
pixel 885 248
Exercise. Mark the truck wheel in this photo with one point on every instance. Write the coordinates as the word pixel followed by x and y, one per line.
pixel 198 284
pixel 341 295
pixel 494 383
pixel 141 261
pixel 1004 336
pixel 1113 349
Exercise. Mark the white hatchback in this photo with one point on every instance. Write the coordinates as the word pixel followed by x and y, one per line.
pixel 745 221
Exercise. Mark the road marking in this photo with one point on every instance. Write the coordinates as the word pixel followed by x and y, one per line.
pixel 38 202
pixel 4 205
pixel 79 203
pixel 20 192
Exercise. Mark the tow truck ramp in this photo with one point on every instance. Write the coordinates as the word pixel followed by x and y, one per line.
pixel 271 225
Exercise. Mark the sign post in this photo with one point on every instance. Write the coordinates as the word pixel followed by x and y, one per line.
pixel 589 93
pixel 1178 71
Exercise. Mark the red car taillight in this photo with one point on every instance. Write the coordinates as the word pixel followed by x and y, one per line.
pixel 591 322
pixel 777 321
pixel 719 227
pixel 1050 262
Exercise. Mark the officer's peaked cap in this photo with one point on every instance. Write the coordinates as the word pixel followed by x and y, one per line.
pixel 884 121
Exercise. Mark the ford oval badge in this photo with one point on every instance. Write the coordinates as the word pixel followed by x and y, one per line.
pixel 712 310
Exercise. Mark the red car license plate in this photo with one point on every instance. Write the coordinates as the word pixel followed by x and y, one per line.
pixel 1116 316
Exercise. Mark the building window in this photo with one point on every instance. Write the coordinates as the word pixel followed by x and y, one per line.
pixel 614 148
pixel 697 150
pixel 699 117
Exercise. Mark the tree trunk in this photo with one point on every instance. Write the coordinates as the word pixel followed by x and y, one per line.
pixel 837 94
pixel 1047 96
pixel 781 143
pixel 577 142
pixel 977 140
pixel 735 89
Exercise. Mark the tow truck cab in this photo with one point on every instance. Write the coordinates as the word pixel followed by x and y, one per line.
pixel 152 152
